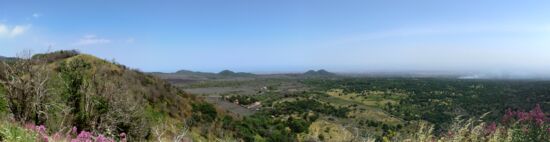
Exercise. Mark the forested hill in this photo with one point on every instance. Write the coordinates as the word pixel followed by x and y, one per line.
pixel 68 96
pixel 2 58
pixel 70 89
pixel 321 72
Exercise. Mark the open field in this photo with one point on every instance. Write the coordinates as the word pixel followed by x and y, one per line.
pixel 371 105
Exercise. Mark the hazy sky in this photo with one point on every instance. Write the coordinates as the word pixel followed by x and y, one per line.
pixel 289 35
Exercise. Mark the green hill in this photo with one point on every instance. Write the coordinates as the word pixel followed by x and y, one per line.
pixel 234 74
pixel 99 96
pixel 194 73
pixel 320 72
pixel 50 94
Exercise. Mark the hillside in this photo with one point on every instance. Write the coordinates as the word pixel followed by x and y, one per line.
pixel 234 74
pixel 83 98
pixel 187 72
pixel 101 97
pixel 321 106
pixel 320 72
pixel 2 58
pixel 186 76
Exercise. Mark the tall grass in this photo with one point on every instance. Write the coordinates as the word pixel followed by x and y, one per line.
pixel 11 132
pixel 516 126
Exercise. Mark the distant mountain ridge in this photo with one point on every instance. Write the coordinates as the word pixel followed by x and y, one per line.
pixel 221 73
pixel 3 58
pixel 320 72
pixel 188 72
pixel 231 73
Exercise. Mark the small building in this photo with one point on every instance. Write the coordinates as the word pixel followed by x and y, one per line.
pixel 255 106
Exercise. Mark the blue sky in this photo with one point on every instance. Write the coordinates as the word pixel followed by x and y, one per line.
pixel 289 35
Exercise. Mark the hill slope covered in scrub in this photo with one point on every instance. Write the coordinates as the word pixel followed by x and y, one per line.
pixel 66 96
pixel 68 89
pixel 320 72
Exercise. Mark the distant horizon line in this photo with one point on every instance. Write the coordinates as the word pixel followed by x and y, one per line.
pixel 402 73
pixel 465 74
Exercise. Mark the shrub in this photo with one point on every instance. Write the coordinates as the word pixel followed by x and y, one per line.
pixel 204 112
pixel 3 101
pixel 516 126
pixel 57 55
pixel 10 132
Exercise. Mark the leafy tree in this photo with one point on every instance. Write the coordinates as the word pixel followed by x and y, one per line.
pixel 73 76
pixel 204 112
pixel 24 81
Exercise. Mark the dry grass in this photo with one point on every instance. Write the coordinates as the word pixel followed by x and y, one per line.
pixel 322 130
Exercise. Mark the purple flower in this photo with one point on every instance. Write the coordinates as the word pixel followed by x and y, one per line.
pixel 84 136
pixel 56 137
pixel 45 138
pixel 102 138
pixel 537 115
pixel 74 130
pixel 30 126
pixel 122 137
pixel 508 116
pixel 491 128
pixel 523 116
pixel 41 129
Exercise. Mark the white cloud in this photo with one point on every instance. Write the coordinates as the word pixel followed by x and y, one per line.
pixel 3 29
pixel 17 30
pixel 92 39
pixel 36 15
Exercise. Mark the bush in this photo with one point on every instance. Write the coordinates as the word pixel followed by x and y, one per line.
pixel 303 106
pixel 298 125
pixel 3 102
pixel 516 126
pixel 10 132
pixel 204 112
pixel 243 100
pixel 54 56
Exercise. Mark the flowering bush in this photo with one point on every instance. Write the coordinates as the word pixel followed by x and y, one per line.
pixel 527 126
pixel 531 126
pixel 71 136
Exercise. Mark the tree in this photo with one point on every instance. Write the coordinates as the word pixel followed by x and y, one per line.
pixel 24 81
pixel 72 74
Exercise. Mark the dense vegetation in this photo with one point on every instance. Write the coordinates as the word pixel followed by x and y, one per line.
pixel 439 101
pixel 66 89
pixel 65 96
pixel 378 108
pixel 240 99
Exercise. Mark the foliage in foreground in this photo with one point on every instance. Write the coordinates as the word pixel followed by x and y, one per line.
pixel 101 98
pixel 11 132
pixel 516 126
pixel 64 89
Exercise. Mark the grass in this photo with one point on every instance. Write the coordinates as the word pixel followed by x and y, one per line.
pixel 322 130
pixel 3 102
pixel 363 111
pixel 369 98
pixel 11 132
pixel 156 101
